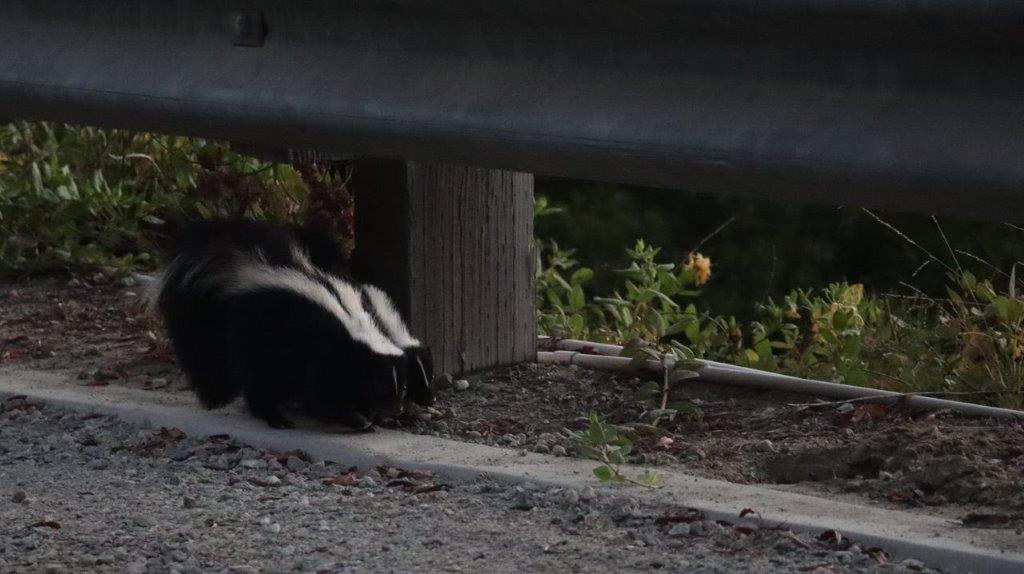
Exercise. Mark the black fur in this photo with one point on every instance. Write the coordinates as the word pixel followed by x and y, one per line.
pixel 272 345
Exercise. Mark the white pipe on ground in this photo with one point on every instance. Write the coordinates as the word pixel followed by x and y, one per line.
pixel 613 350
pixel 722 373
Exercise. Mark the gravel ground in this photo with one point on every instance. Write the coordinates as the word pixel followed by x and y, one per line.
pixel 88 492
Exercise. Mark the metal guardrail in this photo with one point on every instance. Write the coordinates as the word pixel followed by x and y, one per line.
pixel 915 105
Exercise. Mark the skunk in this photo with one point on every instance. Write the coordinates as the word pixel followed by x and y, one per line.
pixel 271 313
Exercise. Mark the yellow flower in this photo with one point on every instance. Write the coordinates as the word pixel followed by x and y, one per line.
pixel 700 265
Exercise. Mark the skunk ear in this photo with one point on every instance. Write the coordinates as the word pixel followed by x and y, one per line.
pixel 421 375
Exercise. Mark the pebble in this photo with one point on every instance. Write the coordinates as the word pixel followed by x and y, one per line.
pixel 474 434
pixel 179 452
pixel 523 501
pixel 764 446
pixel 98 464
pixel 295 464
pixel 571 497
pixel 444 381
pixel 588 493
pixel 53 569
pixel 679 529
pixel 461 385
pixel 842 556
pixel 189 502
pixel 784 547
pixel 912 564
pixel 559 450
pixel 254 463
pixel 845 408
pixel 143 521
pixel 19 497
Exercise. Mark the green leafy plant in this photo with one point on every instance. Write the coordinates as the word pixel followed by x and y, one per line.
pixel 968 343
pixel 677 364
pixel 610 445
pixel 86 196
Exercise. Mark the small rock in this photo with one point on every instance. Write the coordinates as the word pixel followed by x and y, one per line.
pixel 764 446
pixel 883 475
pixel 19 497
pixel 588 493
pixel 444 381
pixel 53 569
pixel 474 434
pixel 295 464
pixel 98 464
pixel 461 385
pixel 179 452
pixel 274 528
pixel 844 408
pixel 843 557
pixel 712 526
pixel 143 521
pixel 559 450
pixel 254 463
pixel 571 497
pixel 911 564
pixel 271 480
pixel 784 547
pixel 189 502
pixel 158 383
pixel 523 501
pixel 679 529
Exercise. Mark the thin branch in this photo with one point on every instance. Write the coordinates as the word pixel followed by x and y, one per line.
pixel 888 376
pixel 949 247
pixel 708 237
pixel 906 238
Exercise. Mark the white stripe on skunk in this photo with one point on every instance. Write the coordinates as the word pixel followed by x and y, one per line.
pixel 254 276
pixel 389 318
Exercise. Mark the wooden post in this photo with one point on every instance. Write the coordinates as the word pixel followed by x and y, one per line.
pixel 453 246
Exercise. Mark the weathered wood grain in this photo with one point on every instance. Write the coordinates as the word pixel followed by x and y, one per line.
pixel 453 246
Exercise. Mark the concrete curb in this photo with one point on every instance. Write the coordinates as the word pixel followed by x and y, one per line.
pixel 938 542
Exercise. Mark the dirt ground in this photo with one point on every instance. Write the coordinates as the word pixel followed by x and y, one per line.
pixel 967 468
